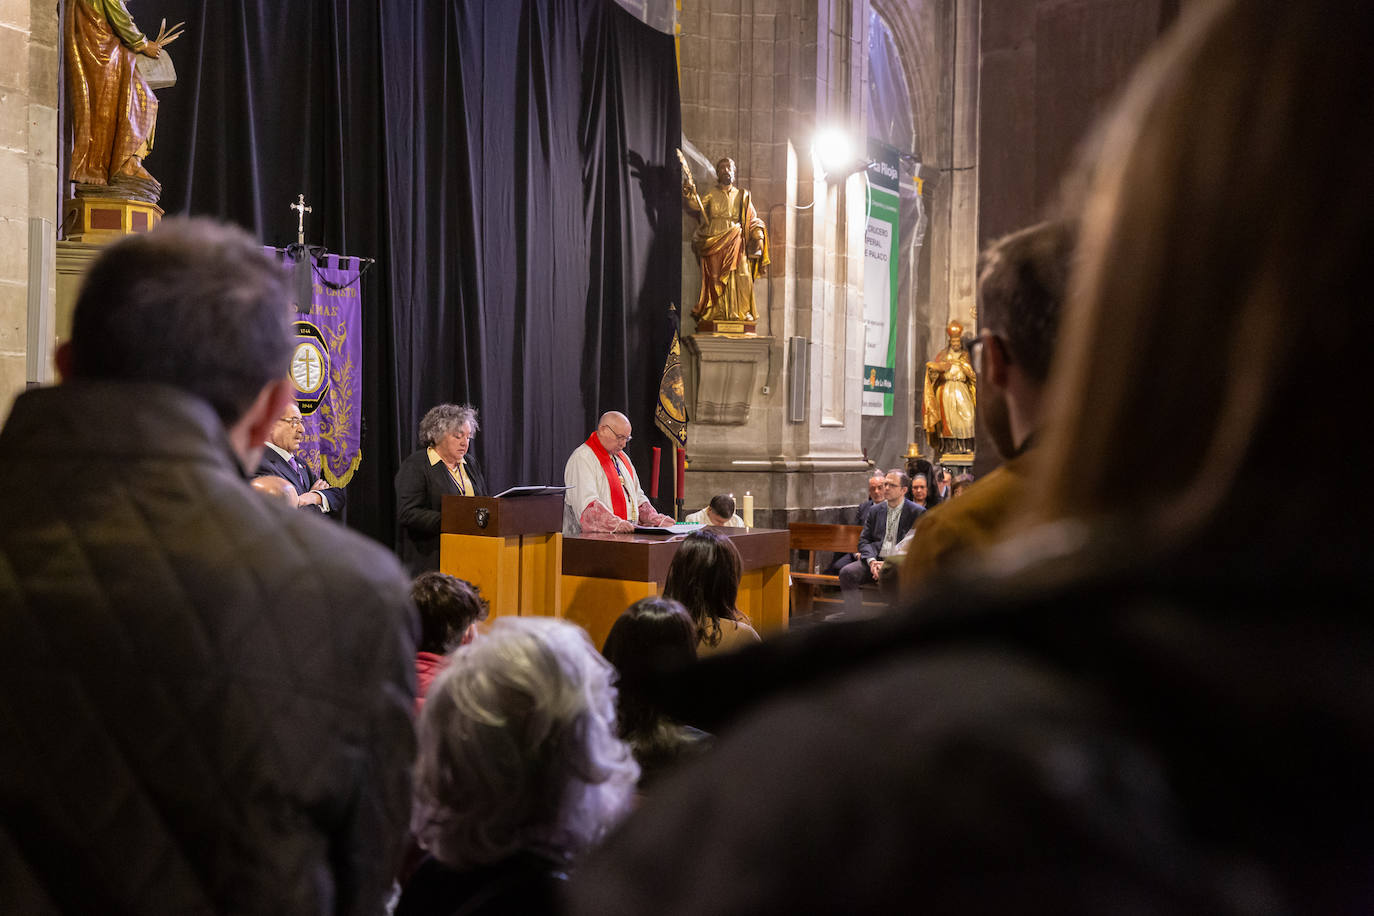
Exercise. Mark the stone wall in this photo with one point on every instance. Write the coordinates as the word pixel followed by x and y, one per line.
pixel 1050 68
pixel 759 77
pixel 28 168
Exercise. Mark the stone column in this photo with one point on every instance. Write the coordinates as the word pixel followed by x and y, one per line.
pixel 29 65
pixel 758 78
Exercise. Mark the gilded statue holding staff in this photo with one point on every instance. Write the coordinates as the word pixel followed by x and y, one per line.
pixel 950 395
pixel 113 109
pixel 731 245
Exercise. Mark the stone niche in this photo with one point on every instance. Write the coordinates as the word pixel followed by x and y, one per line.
pixel 724 377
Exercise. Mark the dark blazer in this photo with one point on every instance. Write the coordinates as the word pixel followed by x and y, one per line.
pixel 865 507
pixel 420 489
pixel 875 527
pixel 275 465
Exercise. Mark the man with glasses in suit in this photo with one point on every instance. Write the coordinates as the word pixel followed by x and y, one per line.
pixel 279 459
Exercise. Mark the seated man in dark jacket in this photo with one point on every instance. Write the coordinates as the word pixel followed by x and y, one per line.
pixel 205 699
pixel 281 457
pixel 886 525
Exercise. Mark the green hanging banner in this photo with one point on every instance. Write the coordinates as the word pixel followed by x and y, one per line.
pixel 880 280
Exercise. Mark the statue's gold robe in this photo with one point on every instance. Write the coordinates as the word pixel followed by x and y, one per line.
pixel 113 111
pixel 949 397
pixel 720 243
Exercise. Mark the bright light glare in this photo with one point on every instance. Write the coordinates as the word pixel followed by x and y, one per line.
pixel 833 150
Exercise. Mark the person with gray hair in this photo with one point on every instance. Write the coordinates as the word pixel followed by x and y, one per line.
pixel 604 495
pixel 441 466
pixel 205 699
pixel 520 770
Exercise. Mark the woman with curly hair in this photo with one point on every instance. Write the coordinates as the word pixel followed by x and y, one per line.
pixel 442 466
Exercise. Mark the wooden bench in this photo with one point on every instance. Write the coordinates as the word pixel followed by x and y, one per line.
pixel 811 540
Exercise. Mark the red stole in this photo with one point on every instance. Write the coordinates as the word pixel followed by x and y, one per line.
pixel 618 504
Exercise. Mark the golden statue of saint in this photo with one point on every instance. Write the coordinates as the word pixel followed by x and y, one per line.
pixel 950 395
pixel 731 244
pixel 113 110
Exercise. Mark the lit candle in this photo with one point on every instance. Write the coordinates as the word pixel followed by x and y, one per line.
pixel 748 509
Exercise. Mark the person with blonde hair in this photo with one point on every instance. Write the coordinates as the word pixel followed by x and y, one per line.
pixel 1158 699
pixel 520 770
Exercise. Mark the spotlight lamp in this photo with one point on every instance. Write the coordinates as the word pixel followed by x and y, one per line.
pixel 835 154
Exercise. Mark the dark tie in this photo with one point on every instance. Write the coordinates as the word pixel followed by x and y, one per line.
pixel 300 474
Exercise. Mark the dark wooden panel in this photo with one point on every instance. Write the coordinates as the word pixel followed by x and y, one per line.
pixel 508 517
pixel 1006 24
pixel 646 557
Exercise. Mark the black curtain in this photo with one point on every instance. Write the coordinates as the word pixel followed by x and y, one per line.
pixel 509 166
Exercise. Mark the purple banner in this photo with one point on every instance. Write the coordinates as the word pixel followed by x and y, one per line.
pixel 326 366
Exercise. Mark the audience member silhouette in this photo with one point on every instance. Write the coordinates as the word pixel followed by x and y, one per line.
pixel 652 636
pixel 704 577
pixel 450 609
pixel 519 770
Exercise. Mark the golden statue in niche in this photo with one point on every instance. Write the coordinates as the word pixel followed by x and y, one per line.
pixel 950 395
pixel 731 245
pixel 112 107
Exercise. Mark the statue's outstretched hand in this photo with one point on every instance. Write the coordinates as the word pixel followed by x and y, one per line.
pixel 165 36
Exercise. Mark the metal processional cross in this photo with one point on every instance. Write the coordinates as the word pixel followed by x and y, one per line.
pixel 301 209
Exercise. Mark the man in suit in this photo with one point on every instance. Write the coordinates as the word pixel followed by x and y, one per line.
pixel 887 524
pixel 279 460
pixel 875 496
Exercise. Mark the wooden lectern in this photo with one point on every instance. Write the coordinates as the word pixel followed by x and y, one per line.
pixel 509 547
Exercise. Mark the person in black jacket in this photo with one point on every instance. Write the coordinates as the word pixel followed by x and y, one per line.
pixel 441 466
pixel 205 695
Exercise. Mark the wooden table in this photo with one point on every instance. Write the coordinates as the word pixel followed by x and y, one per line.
pixel 605 573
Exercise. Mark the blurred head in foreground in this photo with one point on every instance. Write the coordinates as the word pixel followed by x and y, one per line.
pixel 1223 234
pixel 518 748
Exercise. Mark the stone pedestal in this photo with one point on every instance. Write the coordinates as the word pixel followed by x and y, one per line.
pixel 724 377
pixel 73 260
pixel 102 219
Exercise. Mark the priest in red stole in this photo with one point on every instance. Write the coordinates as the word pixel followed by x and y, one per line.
pixel 603 493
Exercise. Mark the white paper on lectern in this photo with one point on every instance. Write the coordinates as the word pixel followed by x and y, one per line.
pixel 530 491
